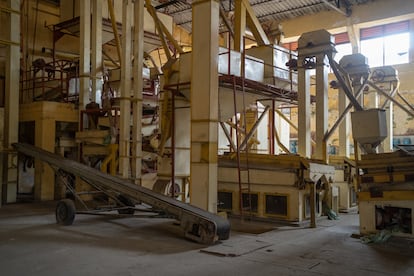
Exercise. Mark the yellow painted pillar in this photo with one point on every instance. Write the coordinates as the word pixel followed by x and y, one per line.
pixel 138 87
pixel 97 69
pixel 45 130
pixel 239 24
pixel 204 105
pixel 322 70
pixel 85 53
pixel 344 126
pixel 304 112
pixel 8 168
pixel 125 104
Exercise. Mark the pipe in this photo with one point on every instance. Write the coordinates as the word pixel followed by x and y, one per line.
pixel 227 133
pixel 115 30
pixel 251 132
pixel 226 22
pixel 9 42
pixel 391 94
pixel 373 85
pixel 340 119
pixel 341 81
pixel 283 147
pixel 405 100
pixel 286 119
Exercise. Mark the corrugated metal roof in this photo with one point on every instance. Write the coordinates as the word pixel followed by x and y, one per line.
pixel 266 10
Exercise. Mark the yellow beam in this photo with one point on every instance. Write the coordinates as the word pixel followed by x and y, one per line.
pixel 387 196
pixel 255 25
pixel 158 26
pixel 239 24
pixel 115 29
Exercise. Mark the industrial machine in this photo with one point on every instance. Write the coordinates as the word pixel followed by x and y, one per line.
pixel 280 187
pixel 284 187
pixel 385 180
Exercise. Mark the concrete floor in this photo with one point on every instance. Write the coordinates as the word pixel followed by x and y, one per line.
pixel 32 244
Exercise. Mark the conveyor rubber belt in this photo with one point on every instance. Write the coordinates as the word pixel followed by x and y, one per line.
pixel 198 224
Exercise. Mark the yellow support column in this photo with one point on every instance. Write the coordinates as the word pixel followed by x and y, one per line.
pixel 97 69
pixel 138 87
pixel 204 105
pixel 8 169
pixel 239 24
pixel 125 122
pixel 85 53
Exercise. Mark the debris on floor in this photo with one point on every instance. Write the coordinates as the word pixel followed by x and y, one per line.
pixel 379 237
pixel 332 215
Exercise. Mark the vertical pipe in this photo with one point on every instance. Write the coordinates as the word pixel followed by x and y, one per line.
pixel 125 123
pixel 304 131
pixel 321 106
pixel 85 56
pixel 97 70
pixel 8 170
pixel 344 127
pixel 115 30
pixel 239 24
pixel 138 87
pixel 272 129
pixel 173 142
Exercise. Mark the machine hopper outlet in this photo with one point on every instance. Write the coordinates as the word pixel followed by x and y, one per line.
pixel 369 128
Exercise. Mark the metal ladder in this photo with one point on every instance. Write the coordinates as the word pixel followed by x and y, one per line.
pixel 245 204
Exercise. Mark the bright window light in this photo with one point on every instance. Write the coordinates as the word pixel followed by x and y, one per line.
pixel 387 50
pixel 373 49
pixel 342 50
pixel 396 48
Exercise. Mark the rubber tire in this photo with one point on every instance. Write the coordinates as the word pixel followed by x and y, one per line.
pixel 65 212
pixel 128 202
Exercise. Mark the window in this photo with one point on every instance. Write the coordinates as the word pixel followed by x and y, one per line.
pixel 386 44
pixel 342 45
pixel 293 46
pixel 342 50
pixel 276 205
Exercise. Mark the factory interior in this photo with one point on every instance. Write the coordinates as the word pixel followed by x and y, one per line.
pixel 193 137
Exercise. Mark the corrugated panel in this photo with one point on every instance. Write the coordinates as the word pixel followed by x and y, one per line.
pixel 265 10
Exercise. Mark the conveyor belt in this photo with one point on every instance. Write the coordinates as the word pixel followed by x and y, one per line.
pixel 198 224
